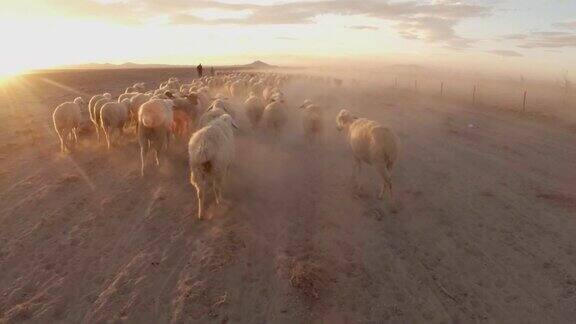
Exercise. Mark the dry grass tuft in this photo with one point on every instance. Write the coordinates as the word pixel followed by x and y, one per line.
pixel 308 278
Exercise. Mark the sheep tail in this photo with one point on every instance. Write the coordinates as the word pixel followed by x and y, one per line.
pixel 148 121
pixel 207 167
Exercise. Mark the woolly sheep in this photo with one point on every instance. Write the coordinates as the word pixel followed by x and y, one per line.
pixel 185 114
pixel 95 113
pixel 254 108
pixel 139 87
pixel 66 119
pixel 275 115
pixel 113 116
pixel 218 108
pixel 237 89
pixel 155 118
pixel 137 101
pixel 97 97
pixel 211 151
pixel 311 120
pixel 373 144
pixel 127 95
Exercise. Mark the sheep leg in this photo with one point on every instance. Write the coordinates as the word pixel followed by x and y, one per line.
pixel 386 188
pixel 75 135
pixel 143 152
pixel 62 144
pixel 217 193
pixel 97 127
pixel 200 195
pixel 218 181
pixel 107 131
pixel 159 146
pixel 121 134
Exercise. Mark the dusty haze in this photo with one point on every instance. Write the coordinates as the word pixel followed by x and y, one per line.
pixel 485 232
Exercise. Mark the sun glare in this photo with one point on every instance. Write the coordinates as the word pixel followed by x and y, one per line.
pixel 8 71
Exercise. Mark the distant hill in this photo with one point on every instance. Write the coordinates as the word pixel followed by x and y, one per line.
pixel 259 65
pixel 129 65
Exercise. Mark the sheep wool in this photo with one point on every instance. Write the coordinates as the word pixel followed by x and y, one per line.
pixel 211 151
pixel 372 144
pixel 66 118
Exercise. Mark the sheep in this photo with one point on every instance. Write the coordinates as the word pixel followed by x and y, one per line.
pixel 127 95
pixel 211 151
pixel 155 118
pixel 217 108
pixel 373 144
pixel 311 120
pixel 114 115
pixel 139 87
pixel 185 114
pixel 97 97
pixel 267 93
pixel 275 116
pixel 66 119
pixel 136 102
pixel 95 113
pixel 237 89
pixel 254 108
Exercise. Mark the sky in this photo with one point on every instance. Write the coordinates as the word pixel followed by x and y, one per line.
pixel 524 36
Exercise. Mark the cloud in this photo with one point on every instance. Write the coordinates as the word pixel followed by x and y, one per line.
pixel 433 21
pixel 548 39
pixel 433 29
pixel 567 25
pixel 362 27
pixel 562 37
pixel 506 53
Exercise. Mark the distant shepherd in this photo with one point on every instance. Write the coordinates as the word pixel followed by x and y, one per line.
pixel 212 71
pixel 199 70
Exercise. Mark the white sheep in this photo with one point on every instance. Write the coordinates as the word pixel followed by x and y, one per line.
pixel 254 108
pixel 211 151
pixel 275 115
pixel 136 102
pixel 373 144
pixel 113 116
pixel 97 97
pixel 95 113
pixel 237 89
pixel 140 86
pixel 311 120
pixel 127 95
pixel 66 119
pixel 218 108
pixel 155 118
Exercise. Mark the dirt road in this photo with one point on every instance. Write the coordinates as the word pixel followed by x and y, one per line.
pixel 486 230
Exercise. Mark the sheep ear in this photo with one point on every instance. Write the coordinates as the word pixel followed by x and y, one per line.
pixel 234 125
pixel 354 117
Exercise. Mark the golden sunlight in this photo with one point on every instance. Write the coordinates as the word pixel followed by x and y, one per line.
pixel 7 71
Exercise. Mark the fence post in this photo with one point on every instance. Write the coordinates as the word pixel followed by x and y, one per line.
pixel 442 89
pixel 474 96
pixel 416 85
pixel 524 102
pixel 395 82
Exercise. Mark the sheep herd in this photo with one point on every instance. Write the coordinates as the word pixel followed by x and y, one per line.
pixel 202 114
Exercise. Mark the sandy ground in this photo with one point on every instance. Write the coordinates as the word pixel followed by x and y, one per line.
pixel 485 232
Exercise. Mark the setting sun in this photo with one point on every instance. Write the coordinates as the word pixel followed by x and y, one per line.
pixel 7 71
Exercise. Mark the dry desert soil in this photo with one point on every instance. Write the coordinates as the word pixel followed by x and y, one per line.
pixel 485 232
